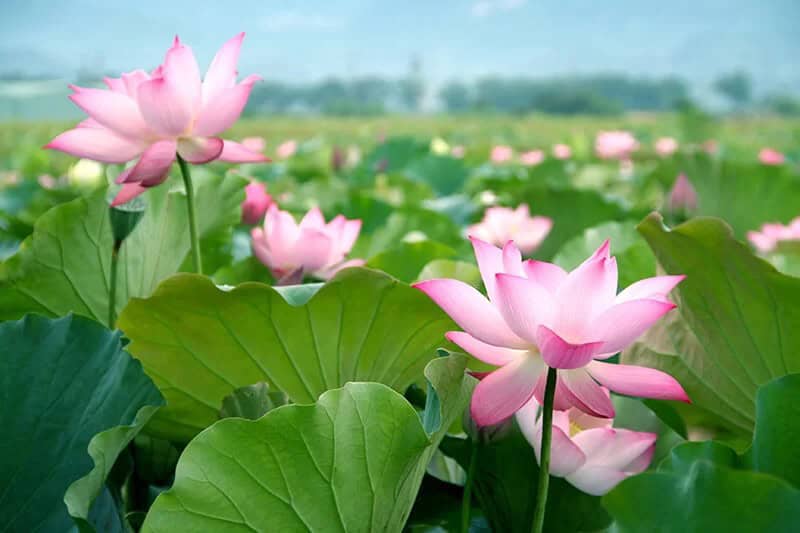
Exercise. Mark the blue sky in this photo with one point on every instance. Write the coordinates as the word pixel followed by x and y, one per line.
pixel 306 40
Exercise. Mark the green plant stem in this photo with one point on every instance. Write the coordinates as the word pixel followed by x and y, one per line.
pixel 544 463
pixel 466 502
pixel 195 241
pixel 112 288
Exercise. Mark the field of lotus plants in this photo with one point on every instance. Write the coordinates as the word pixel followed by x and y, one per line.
pixel 208 326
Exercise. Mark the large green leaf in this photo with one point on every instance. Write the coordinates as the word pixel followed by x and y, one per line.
pixel 706 486
pixel 67 388
pixel 199 343
pixel 572 212
pixel 65 265
pixel 445 268
pixel 351 462
pixel 445 175
pixel 505 485
pixel 406 222
pixel 744 195
pixel 634 258
pixel 739 322
pixel 406 260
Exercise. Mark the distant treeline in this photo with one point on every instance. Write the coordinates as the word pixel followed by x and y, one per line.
pixel 600 94
pixel 362 96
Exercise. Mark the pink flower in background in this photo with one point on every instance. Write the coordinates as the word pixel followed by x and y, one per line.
pixel 254 144
pixel 501 154
pixel 615 145
pixel 458 151
pixel 768 156
pixel 682 197
pixel 666 146
pixel 710 147
pixel 531 158
pixel 562 151
pixel 503 224
pixel 46 181
pixel 256 202
pixel 538 315
pixel 158 115
pixel 337 159
pixel 312 247
pixel 286 149
pixel 772 234
pixel 586 451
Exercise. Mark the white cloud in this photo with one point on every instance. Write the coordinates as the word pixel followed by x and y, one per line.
pixel 484 8
pixel 297 21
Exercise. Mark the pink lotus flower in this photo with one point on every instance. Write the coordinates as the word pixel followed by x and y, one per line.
pixel 286 149
pixel 46 181
pixel 531 158
pixel 254 144
pixel 772 234
pixel 615 145
pixel 666 146
pixel 562 151
pixel 503 224
pixel 710 147
pixel 586 450
pixel 768 156
pixel 312 247
pixel 154 116
pixel 256 202
pixel 537 315
pixel 683 197
pixel 501 154
pixel 458 151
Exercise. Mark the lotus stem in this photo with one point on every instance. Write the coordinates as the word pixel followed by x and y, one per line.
pixel 112 289
pixel 195 241
pixel 544 463
pixel 466 502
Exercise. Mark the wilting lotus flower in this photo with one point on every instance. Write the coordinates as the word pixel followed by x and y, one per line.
pixel 666 146
pixel 537 315
pixel 683 197
pixel 337 159
pixel 562 151
pixel 154 116
pixel 286 149
pixel 458 151
pixel 772 234
pixel 503 224
pixel 312 247
pixel 256 202
pixel 615 145
pixel 254 144
pixel 768 156
pixel 501 154
pixel 586 450
pixel 531 158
